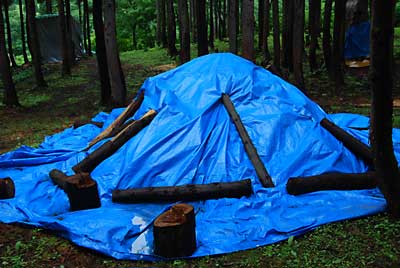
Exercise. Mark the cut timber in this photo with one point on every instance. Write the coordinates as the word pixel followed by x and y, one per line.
pixel 7 188
pixel 251 151
pixel 191 192
pixel 81 189
pixel 111 146
pixel 331 181
pixel 175 232
pixel 79 123
pixel 127 113
pixel 355 146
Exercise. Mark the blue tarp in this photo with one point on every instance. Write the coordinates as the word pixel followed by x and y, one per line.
pixel 193 140
pixel 357 44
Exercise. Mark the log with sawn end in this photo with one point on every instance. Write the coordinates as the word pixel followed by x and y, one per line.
pixel 111 146
pixel 7 188
pixel 191 192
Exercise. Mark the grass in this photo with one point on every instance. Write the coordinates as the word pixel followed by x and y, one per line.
pixel 368 242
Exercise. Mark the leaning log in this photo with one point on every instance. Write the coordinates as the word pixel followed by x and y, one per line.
pixel 111 146
pixel 191 192
pixel 331 181
pixel 79 123
pixel 7 188
pixel 80 188
pixel 127 113
pixel 174 232
pixel 355 146
pixel 251 151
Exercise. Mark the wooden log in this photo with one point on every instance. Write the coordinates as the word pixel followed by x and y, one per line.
pixel 80 188
pixel 251 151
pixel 127 113
pixel 355 146
pixel 7 188
pixel 79 123
pixel 331 181
pixel 174 232
pixel 190 192
pixel 111 146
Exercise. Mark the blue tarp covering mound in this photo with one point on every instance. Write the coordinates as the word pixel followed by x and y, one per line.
pixel 193 140
pixel 357 44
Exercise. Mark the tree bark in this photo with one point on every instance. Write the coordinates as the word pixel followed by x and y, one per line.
pixel 211 33
pixel 298 43
pixel 49 7
pixel 264 38
pixel 158 18
pixel 22 26
pixel 172 51
pixel 9 38
pixel 248 51
pixel 326 39
pixel 261 16
pixel 277 42
pixel 10 95
pixel 28 34
pixel 233 25
pixel 314 23
pixel 184 29
pixel 117 79
pixel 193 15
pixel 163 24
pixel 381 75
pixel 87 18
pixel 338 44
pixel 84 31
pixel 287 35
pixel 202 44
pixel 70 43
pixel 66 64
pixel 101 55
pixel 36 57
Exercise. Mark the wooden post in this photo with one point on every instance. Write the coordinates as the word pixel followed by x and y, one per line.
pixel 175 232
pixel 251 151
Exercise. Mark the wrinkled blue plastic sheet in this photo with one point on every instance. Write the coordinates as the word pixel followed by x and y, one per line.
pixel 192 140
pixel 357 42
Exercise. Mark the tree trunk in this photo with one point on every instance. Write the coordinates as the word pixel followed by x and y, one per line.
pixel 172 51
pixel 202 44
pixel 381 74
pixel 22 26
pixel 117 79
pixel 326 39
pixel 87 16
pixel 36 57
pixel 10 95
pixel 248 51
pixel 9 38
pixel 264 40
pixel 298 43
pixel 163 24
pixel 261 16
pixel 28 33
pixel 223 19
pixel 49 7
pixel 66 64
pixel 287 35
pixel 78 3
pixel 70 43
pixel 338 44
pixel 314 30
pixel 233 25
pixel 184 29
pixel 193 15
pixel 211 34
pixel 158 18
pixel 84 31
pixel 277 42
pixel 101 55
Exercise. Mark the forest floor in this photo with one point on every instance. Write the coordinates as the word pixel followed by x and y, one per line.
pixel 368 242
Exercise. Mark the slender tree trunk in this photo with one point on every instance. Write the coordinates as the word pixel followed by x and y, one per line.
pixel 117 79
pixel 298 43
pixel 261 15
pixel 10 95
pixel 314 30
pixel 22 26
pixel 89 42
pixel 36 57
pixel 232 23
pixel 66 64
pixel 326 39
pixel 248 29
pixel 382 103
pixel 101 54
pixel 264 39
pixel 184 29
pixel 338 44
pixel 193 15
pixel 223 21
pixel 277 42
pixel 49 7
pixel 79 4
pixel 217 19
pixel 70 43
pixel 163 23
pixel 211 34
pixel 9 38
pixel 172 51
pixel 84 31
pixel 28 33
pixel 287 35
pixel 202 44
pixel 158 16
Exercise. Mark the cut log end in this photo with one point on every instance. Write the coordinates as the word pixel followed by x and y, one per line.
pixel 7 188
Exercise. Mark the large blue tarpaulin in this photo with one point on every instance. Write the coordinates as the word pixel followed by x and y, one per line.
pixel 192 140
pixel 357 44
